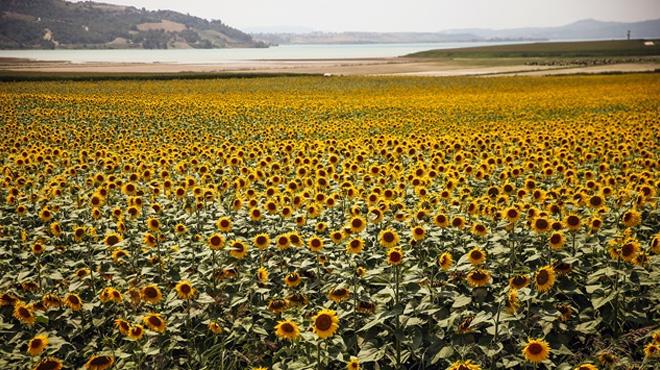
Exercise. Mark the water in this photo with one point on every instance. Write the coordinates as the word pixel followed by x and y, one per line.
pixel 215 56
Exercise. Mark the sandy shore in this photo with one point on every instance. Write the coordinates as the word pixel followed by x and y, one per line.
pixel 377 66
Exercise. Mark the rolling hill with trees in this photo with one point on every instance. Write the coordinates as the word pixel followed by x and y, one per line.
pixel 48 24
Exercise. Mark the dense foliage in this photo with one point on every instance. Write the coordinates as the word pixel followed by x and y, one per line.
pixel 312 222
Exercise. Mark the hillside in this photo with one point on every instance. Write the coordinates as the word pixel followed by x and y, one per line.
pixel 47 24
pixel 610 48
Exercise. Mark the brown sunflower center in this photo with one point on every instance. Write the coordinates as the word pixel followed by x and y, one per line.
pixel 555 239
pixel 535 348
pixel 323 322
pixel 388 237
pixel 185 288
pixel 36 343
pixel 155 321
pixel 627 250
pixel 395 256
pixel 542 277
pixel 100 361
pixel 287 328
pixel 476 255
pixel 542 223
pixel 150 292
pixel 356 223
pixel 573 220
pixel 48 365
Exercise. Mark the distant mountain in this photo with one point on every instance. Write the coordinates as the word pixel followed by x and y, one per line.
pixel 584 29
pixel 40 24
pixel 372 37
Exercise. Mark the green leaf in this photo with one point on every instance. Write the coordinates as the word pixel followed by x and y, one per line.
pixel 461 301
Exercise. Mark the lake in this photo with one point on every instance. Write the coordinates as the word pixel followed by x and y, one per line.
pixel 215 56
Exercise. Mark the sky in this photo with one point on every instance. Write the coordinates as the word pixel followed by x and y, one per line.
pixel 405 15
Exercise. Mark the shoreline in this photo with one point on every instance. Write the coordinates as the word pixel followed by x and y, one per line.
pixel 391 66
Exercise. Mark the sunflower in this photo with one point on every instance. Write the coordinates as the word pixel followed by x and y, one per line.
pixel 118 254
pixel 112 239
pixel 607 358
pixel 238 249
pixel 277 305
pixel 573 222
pixel 261 241
pixel 287 329
pixel 255 214
pixel 99 362
pixel 38 248
pixel 544 278
pixel 337 236
pixel 541 225
pixel 357 224
pixel 149 240
pixel 511 214
pixel 123 326
pixel 536 350
pixel 37 344
pixel 632 218
pixel 283 242
pixel 24 313
pixel 155 322
pixel 652 350
pixel 214 327
pixel 479 278
pixel 315 244
pixel 110 294
pixel 338 294
pixel 441 220
pixel 445 261
pixel 355 246
pixel 136 332
pixel 49 363
pixel 292 279
pixel 464 365
pixel 458 222
pixel 476 256
pixel 262 275
pixel 185 290
pixel 388 238
pixel 325 323
pixel 418 233
pixel 479 230
pixel 394 256
pixel 512 303
pixel 180 229
pixel 45 215
pixel 557 241
pixel 73 301
pixel 629 250
pixel 216 241
pixel 151 294
pixel 519 281
pixel 153 224
pixel 586 367
pixel 224 224
pixel 353 363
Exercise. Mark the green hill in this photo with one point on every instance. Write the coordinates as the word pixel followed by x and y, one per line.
pixel 608 48
pixel 26 24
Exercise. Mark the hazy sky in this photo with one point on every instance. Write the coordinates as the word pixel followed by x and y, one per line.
pixel 405 15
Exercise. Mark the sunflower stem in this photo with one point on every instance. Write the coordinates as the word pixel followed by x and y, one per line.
pixel 397 339
pixel 318 355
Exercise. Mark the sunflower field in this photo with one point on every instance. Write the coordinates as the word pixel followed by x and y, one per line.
pixel 331 223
